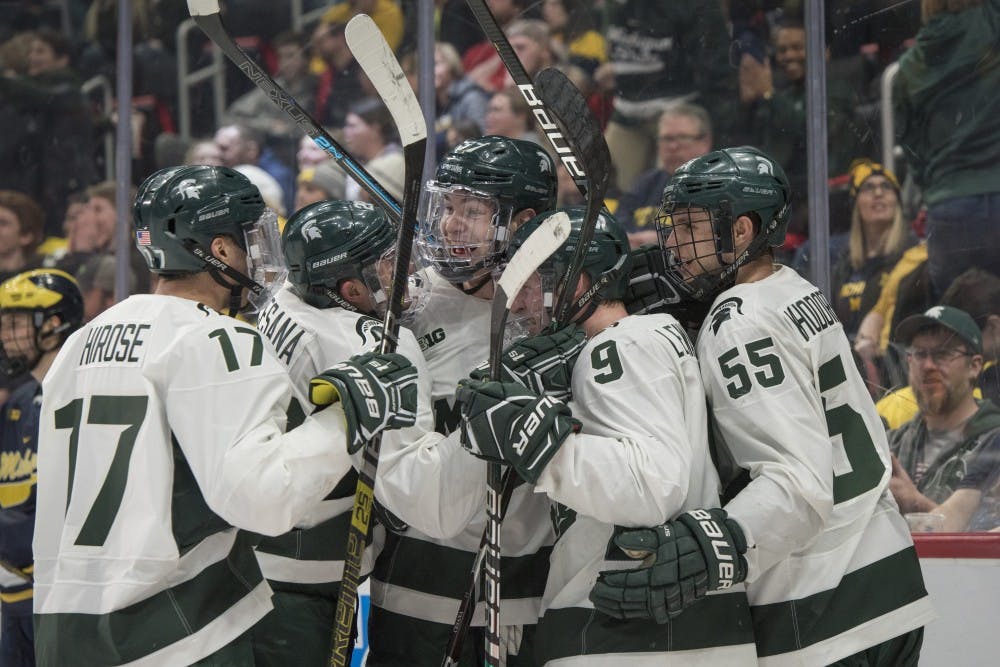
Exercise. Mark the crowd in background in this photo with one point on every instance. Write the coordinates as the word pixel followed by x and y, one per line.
pixel 668 82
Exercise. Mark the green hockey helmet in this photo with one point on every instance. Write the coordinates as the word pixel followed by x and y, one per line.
pixel 331 241
pixel 722 185
pixel 179 211
pixel 607 263
pixel 480 185
pixel 27 301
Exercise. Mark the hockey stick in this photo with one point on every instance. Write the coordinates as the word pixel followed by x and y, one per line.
pixel 536 102
pixel 586 141
pixel 206 15
pixel 378 62
pixel 545 240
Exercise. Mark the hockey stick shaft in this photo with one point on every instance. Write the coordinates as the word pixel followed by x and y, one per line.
pixel 545 240
pixel 554 135
pixel 378 62
pixel 206 15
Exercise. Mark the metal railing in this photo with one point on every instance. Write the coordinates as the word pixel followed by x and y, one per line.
pixel 888 124
pixel 186 80
pixel 102 84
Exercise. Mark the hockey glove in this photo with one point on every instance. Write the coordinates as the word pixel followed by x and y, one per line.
pixel 699 551
pixel 649 291
pixel 504 422
pixel 377 391
pixel 543 363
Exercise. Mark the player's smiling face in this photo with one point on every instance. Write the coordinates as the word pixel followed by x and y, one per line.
pixel 692 241
pixel 467 224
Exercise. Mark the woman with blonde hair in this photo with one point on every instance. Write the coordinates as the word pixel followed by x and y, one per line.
pixel 877 238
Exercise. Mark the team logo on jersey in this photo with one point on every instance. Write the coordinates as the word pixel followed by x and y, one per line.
pixel 310 231
pixel 189 189
pixel 368 326
pixel 724 312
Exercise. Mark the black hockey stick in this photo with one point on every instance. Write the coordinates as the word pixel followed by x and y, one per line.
pixel 545 240
pixel 586 141
pixel 536 102
pixel 378 62
pixel 206 14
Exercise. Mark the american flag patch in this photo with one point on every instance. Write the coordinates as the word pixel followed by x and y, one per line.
pixel 142 237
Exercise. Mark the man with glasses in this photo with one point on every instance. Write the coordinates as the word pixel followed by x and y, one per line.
pixel 935 448
pixel 684 133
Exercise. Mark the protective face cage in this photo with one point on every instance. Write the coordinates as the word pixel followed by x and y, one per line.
pixel 462 231
pixel 694 258
pixel 532 309
pixel 265 262
pixel 21 341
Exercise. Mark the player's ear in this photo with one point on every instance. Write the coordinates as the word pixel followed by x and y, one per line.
pixel 743 231
pixel 520 218
pixel 352 290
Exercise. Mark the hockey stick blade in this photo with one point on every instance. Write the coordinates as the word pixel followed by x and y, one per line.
pixel 585 139
pixel 494 33
pixel 206 15
pixel 383 70
pixel 538 247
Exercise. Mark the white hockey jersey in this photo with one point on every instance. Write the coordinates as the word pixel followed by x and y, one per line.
pixel 308 341
pixel 832 569
pixel 440 490
pixel 641 458
pixel 162 428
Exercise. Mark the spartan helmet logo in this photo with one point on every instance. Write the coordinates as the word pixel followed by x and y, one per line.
pixel 310 231
pixel 543 163
pixel 189 189
pixel 764 167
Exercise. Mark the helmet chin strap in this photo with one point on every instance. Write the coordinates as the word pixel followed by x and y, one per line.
pixel 216 267
pixel 477 285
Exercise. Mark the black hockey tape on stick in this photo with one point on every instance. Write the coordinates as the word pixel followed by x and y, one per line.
pixel 206 15
pixel 380 65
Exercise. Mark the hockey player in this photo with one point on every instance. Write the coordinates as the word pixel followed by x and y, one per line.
pixel 163 440
pixel 482 190
pixel 340 260
pixel 831 572
pixel 641 453
pixel 39 309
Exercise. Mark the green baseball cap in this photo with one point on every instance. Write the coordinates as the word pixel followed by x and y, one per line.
pixel 954 319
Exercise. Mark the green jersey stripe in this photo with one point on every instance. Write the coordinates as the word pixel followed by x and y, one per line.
pixel 418 565
pixel 169 616
pixel 783 627
pixel 722 620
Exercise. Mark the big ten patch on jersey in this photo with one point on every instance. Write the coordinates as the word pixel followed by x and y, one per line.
pixel 115 344
pixel 431 338
pixel 281 330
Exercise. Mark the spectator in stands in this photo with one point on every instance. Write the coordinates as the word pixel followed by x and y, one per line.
pixel 481 61
pixel 21 228
pixel 368 133
pixel 205 152
pixel 387 169
pixel 340 81
pixel 876 241
pixel 309 153
pixel 96 279
pixel 774 116
pixel 385 13
pixel 659 53
pixel 573 26
pixel 457 25
pixel 270 190
pixel 458 97
pixel 324 181
pixel 461 131
pixel 684 132
pixel 508 115
pixel 241 145
pixel 944 353
pixel 977 292
pixel 567 193
pixel 256 110
pixel 531 41
pixel 47 152
pixel 948 123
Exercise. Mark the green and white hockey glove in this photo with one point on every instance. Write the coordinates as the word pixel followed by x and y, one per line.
pixel 649 291
pixel 543 363
pixel 699 551
pixel 504 422
pixel 377 391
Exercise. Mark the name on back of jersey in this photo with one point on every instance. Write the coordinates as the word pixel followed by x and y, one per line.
pixel 117 343
pixel 811 314
pixel 281 330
